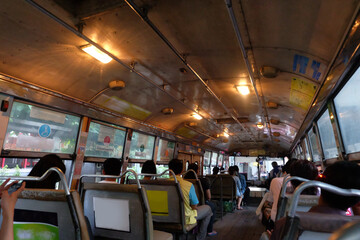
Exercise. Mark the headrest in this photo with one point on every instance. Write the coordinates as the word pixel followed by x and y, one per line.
pixel 111 187
pixel 43 194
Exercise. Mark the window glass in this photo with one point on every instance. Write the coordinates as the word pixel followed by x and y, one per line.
pixel 207 158
pixel 104 141
pixel 308 157
pixel 165 151
pixel 348 113
pixel 214 159
pixel 313 145
pixel 232 160
pixel 220 160
pixel 37 129
pixel 142 146
pixel 327 136
pixel 161 168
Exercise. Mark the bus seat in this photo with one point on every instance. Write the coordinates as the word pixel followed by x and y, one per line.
pixel 51 206
pixel 131 209
pixel 173 219
pixel 223 188
pixel 350 231
pixel 198 189
pixel 305 202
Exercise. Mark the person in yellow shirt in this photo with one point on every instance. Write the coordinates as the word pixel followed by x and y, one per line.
pixel 193 213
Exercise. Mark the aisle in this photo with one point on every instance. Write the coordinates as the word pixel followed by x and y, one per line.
pixel 240 225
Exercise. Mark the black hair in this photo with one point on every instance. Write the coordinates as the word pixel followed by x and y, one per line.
pixel 45 163
pixel 274 164
pixel 342 174
pixel 148 167
pixel 176 166
pixel 215 170
pixel 112 166
pixel 191 175
pixel 232 170
pixel 236 168
pixel 304 169
pixel 286 168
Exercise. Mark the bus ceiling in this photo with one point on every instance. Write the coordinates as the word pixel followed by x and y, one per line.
pixel 230 75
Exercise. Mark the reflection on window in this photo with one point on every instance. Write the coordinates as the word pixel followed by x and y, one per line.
pixel 142 146
pixel 314 147
pixel 165 151
pixel 220 161
pixel 214 159
pixel 207 158
pixel 104 141
pixel 327 136
pixel 308 157
pixel 36 129
pixel 348 113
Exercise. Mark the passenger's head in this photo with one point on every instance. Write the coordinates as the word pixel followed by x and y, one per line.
pixel 232 170
pixel 342 174
pixel 44 164
pixel 112 166
pixel 176 166
pixel 304 169
pixel 215 170
pixel 286 168
pixel 236 168
pixel 148 167
pixel 191 175
pixel 274 164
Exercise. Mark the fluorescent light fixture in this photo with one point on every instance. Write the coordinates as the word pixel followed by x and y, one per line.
pixel 226 134
pixel 96 53
pixel 260 125
pixel 196 116
pixel 243 89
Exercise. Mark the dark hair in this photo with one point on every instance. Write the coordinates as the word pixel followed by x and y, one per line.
pixel 342 174
pixel 148 167
pixel 286 168
pixel 236 168
pixel 304 169
pixel 112 166
pixel 45 163
pixel 274 164
pixel 215 170
pixel 176 166
pixel 191 175
pixel 232 170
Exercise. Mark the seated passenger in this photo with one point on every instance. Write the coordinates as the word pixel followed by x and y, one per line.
pixel 342 174
pixel 215 171
pixel 205 184
pixel 45 163
pixel 275 171
pixel 8 202
pixel 112 166
pixel 193 212
pixel 148 167
pixel 239 194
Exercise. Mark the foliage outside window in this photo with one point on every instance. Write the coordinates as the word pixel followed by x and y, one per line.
pixel 142 146
pixel 165 150
pixel 104 141
pixel 37 129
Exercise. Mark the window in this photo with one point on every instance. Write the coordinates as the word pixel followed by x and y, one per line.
pixel 161 169
pixel 142 146
pixel 348 113
pixel 308 157
pixel 207 158
pixel 104 141
pixel 313 145
pixel 327 136
pixel 220 161
pixel 232 160
pixel 165 150
pixel 214 159
pixel 37 129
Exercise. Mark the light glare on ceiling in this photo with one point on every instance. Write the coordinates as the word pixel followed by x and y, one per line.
pixel 244 90
pixel 226 134
pixel 260 125
pixel 96 53
pixel 196 116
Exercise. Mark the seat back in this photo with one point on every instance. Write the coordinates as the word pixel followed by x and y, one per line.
pixel 348 231
pixel 223 187
pixel 305 202
pixel 117 211
pixel 49 212
pixel 198 189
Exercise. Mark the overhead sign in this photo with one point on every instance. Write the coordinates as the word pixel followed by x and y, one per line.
pixel 301 93
pixel 44 131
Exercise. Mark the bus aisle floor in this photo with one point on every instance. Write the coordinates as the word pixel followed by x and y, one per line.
pixel 241 224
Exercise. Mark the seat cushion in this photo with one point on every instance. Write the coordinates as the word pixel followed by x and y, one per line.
pixel 159 235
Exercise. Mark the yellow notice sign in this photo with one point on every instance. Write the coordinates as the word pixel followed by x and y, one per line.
pixel 185 132
pixel 302 92
pixel 158 201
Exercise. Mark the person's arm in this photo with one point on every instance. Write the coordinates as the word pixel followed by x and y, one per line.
pixel 8 202
pixel 208 194
pixel 193 198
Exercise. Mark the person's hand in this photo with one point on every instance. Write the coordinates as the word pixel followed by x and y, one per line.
pixel 8 201
pixel 3 186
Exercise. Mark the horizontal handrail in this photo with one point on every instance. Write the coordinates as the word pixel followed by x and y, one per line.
pixel 288 179
pixel 322 185
pixel 43 177
pixel 159 174
pixel 112 176
pixel 190 170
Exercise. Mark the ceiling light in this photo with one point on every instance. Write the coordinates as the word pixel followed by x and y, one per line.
pixel 244 90
pixel 226 134
pixel 260 125
pixel 196 116
pixel 96 53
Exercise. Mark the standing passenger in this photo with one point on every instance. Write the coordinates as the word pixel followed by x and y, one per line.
pixel 193 212
pixel 112 166
pixel 148 167
pixel 239 195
